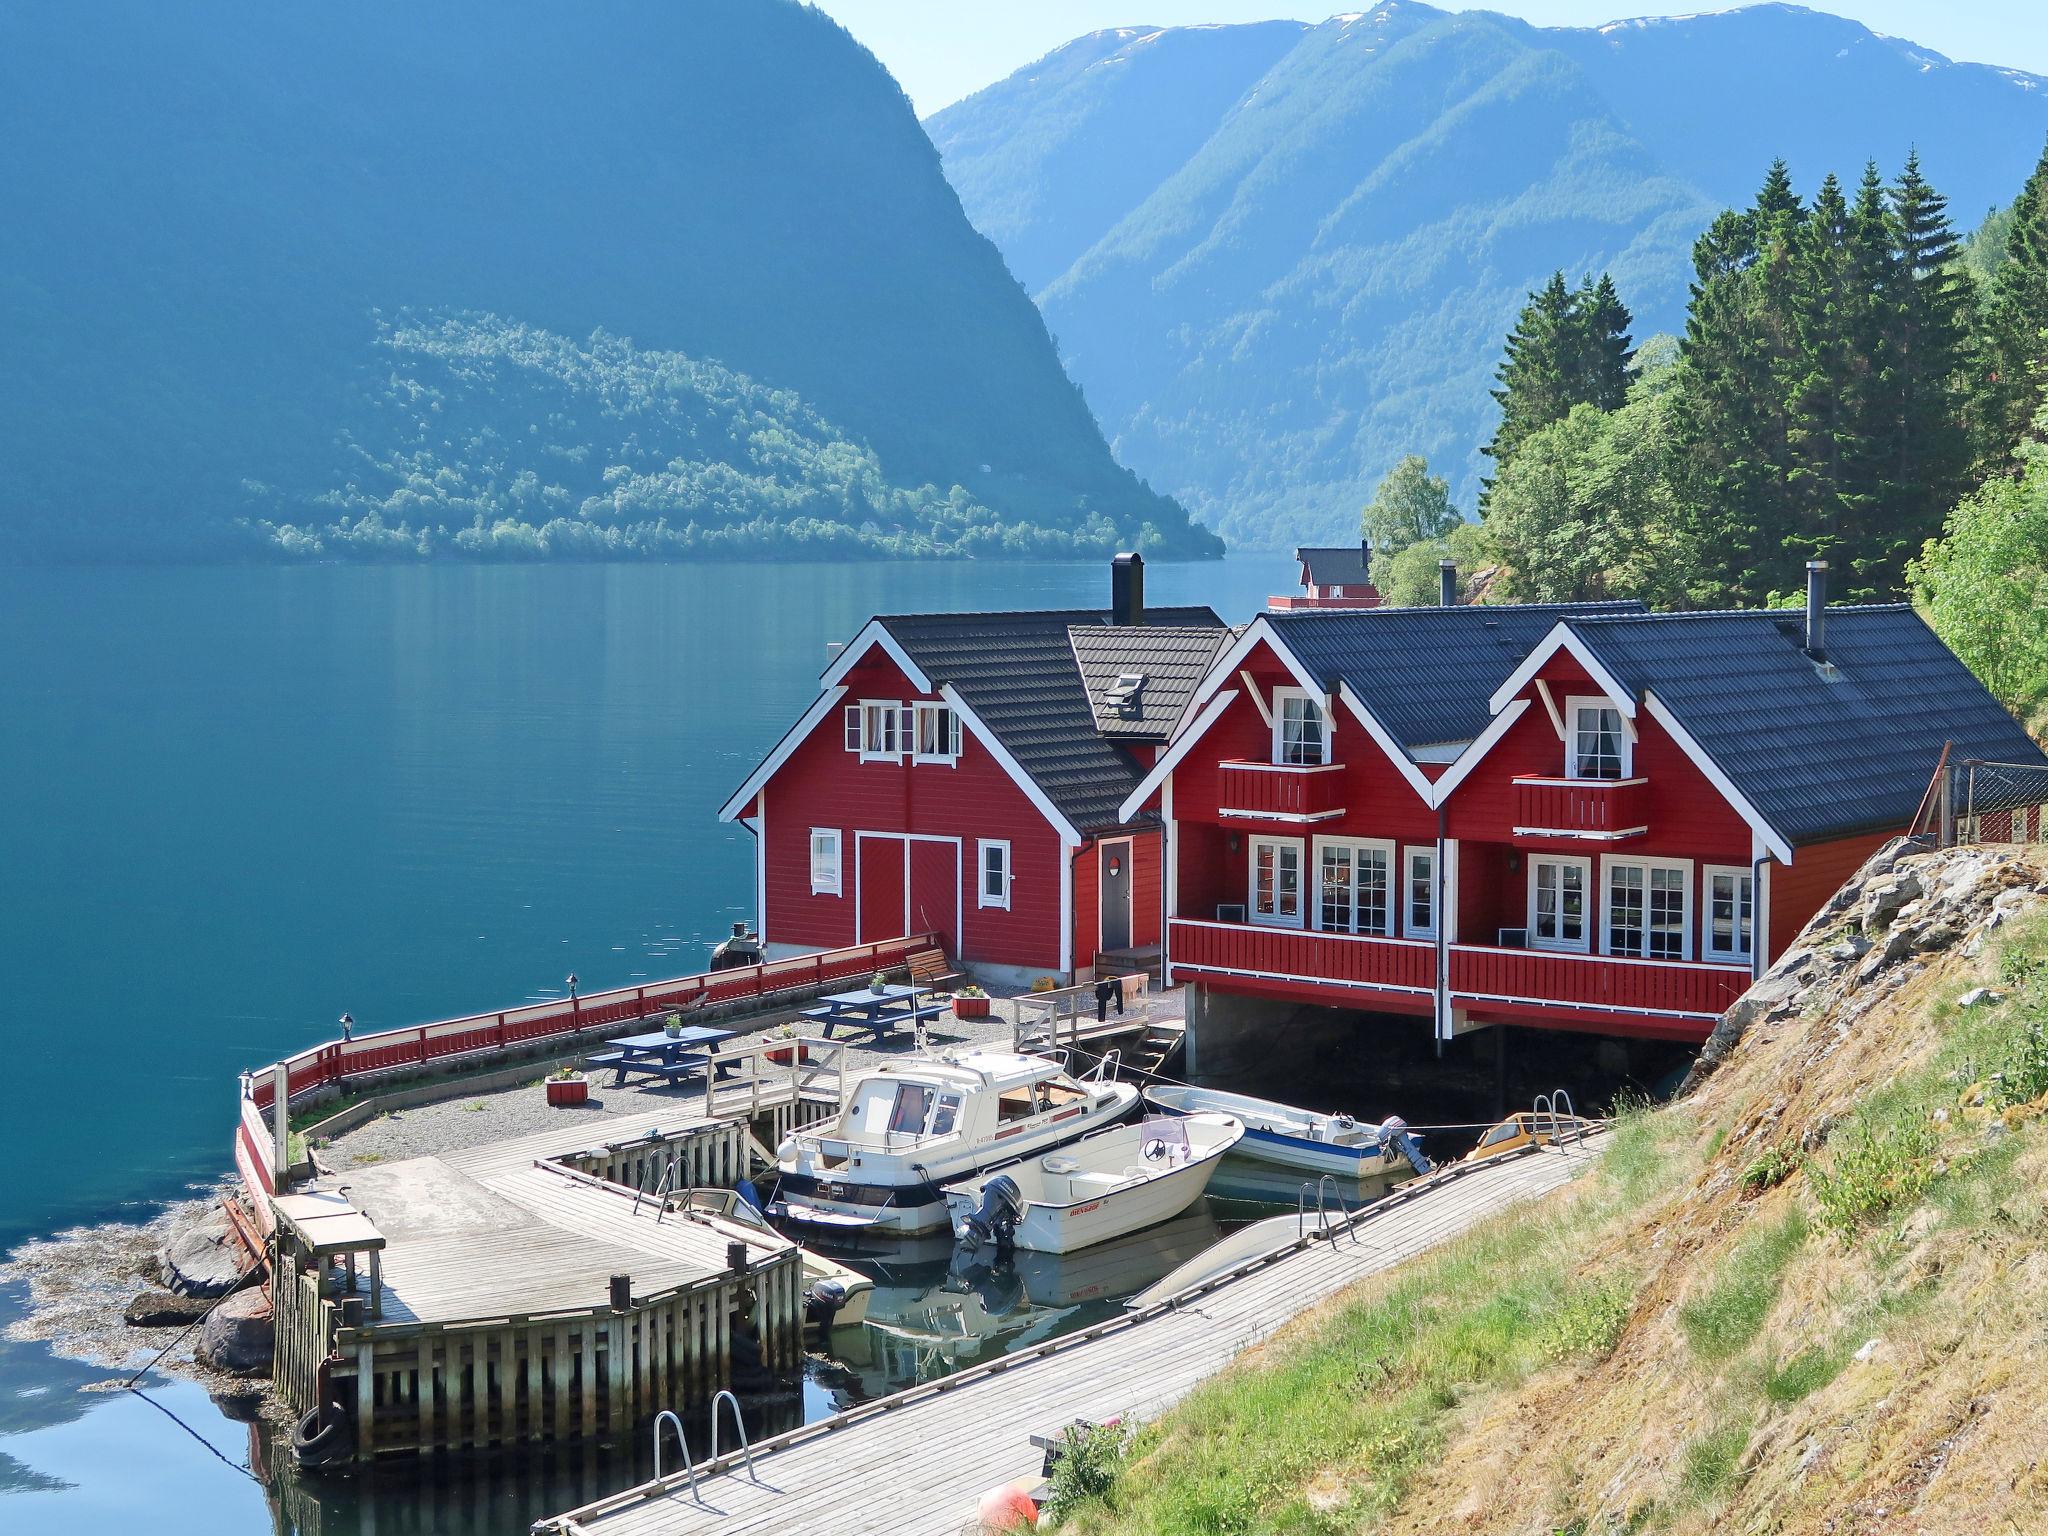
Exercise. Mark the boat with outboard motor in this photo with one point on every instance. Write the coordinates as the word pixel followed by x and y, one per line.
pixel 1114 1182
pixel 910 1127
pixel 1303 1138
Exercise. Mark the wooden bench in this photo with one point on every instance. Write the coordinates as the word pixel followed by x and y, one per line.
pixel 929 971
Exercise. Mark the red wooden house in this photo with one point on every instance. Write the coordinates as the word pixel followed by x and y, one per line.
pixel 963 775
pixel 1582 818
pixel 1337 577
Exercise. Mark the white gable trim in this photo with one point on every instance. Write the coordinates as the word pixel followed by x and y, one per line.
pixel 1477 749
pixel 872 634
pixel 1162 769
pixel 1766 833
pixel 1255 633
pixel 793 738
pixel 1396 753
pixel 1032 790
pixel 1562 638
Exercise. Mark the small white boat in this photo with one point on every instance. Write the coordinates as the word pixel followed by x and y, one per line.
pixel 1302 1138
pixel 1275 1234
pixel 835 1295
pixel 1103 1186
pixel 910 1127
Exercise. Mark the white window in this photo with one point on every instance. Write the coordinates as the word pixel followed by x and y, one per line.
pixel 1649 909
pixel 1599 745
pixel 938 735
pixel 853 727
pixel 1354 887
pixel 1731 910
pixel 1557 902
pixel 824 861
pixel 882 730
pixel 1301 731
pixel 1418 916
pixel 1276 881
pixel 1336 591
pixel 994 887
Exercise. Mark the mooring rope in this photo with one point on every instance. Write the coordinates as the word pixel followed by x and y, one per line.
pixel 213 1449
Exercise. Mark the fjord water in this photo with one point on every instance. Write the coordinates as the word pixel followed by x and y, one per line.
pixel 235 802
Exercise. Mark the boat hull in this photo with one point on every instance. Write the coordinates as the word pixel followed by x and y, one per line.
pixel 1047 1229
pixel 1288 1137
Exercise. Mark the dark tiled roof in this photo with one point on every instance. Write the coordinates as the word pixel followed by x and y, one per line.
pixel 1171 660
pixel 1819 756
pixel 1017 673
pixel 1342 566
pixel 1425 673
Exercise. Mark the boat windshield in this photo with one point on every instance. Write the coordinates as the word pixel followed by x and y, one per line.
pixel 889 1109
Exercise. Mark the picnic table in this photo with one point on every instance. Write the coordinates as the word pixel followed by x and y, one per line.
pixel 878 1013
pixel 661 1054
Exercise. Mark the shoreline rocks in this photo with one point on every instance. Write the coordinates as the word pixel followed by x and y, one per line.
pixel 238 1335
pixel 201 1257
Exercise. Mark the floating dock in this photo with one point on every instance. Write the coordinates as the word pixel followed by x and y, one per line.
pixel 915 1463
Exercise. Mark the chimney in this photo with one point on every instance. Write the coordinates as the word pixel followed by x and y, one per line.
pixel 1817 609
pixel 1127 589
pixel 1447 583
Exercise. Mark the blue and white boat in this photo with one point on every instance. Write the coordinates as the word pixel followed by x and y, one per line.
pixel 1302 1138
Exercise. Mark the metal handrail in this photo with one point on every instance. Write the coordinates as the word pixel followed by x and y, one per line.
pixel 1106 1067
pixel 739 1424
pixel 689 1464
pixel 1344 1210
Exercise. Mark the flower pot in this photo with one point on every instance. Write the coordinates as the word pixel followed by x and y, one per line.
pixel 564 1092
pixel 784 1055
pixel 970 1007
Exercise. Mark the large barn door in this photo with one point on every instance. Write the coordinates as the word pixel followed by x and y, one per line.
pixel 881 889
pixel 935 891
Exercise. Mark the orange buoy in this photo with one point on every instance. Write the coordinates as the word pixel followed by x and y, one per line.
pixel 1008 1508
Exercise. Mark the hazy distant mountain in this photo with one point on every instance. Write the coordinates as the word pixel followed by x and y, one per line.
pixel 630 269
pixel 1272 290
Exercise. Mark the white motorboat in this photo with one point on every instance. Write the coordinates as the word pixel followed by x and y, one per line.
pixel 835 1295
pixel 1302 1138
pixel 1273 1235
pixel 910 1127
pixel 1103 1186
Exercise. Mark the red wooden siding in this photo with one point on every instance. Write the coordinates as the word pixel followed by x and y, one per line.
pixel 1579 809
pixel 1146 858
pixel 1148 874
pixel 1087 903
pixel 1363 972
pixel 1263 789
pixel 1817 871
pixel 823 785
pixel 1596 981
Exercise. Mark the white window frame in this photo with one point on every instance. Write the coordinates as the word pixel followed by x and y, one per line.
pixel 1410 857
pixel 1281 696
pixel 1355 846
pixel 835 883
pixel 1584 865
pixel 1623 738
pixel 1743 875
pixel 1303 889
pixel 892 713
pixel 1684 870
pixel 982 848
pixel 919 713
pixel 853 720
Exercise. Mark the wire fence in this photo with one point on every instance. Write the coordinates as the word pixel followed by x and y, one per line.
pixel 1974 801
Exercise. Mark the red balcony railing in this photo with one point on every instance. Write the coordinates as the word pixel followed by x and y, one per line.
pixel 1279 792
pixel 1603 809
pixel 1288 954
pixel 1601 982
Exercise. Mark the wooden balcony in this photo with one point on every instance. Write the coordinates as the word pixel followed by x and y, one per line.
pixel 1543 984
pixel 1281 792
pixel 1584 810
pixel 1331 967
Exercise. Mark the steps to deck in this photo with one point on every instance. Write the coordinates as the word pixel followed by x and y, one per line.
pixel 915 1463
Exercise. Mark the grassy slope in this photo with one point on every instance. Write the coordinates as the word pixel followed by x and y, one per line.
pixel 1807 1299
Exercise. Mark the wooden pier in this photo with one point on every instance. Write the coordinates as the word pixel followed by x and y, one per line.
pixel 915 1463
pixel 539 1289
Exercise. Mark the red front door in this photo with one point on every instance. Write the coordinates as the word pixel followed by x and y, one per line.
pixel 880 872
pixel 935 892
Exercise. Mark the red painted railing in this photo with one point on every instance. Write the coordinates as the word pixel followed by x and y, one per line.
pixel 1595 981
pixel 1401 965
pixel 1281 792
pixel 1602 808
pixel 421 1044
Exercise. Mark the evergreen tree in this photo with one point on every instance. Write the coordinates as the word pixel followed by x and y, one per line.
pixel 2015 352
pixel 1538 371
pixel 1601 325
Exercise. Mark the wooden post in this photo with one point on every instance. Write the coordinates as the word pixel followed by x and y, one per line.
pixel 280 1122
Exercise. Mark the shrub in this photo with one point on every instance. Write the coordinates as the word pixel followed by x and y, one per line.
pixel 1089 1465
pixel 1588 1323
pixel 1767 1170
pixel 1875 1169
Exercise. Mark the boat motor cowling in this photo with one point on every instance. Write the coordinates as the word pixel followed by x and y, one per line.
pixel 822 1300
pixel 1394 1131
pixel 1002 1203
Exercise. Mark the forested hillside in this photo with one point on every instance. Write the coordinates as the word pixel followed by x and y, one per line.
pixel 1319 286
pixel 231 228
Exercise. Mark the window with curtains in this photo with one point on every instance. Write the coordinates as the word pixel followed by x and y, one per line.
pixel 1276 881
pixel 938 734
pixel 1648 909
pixel 1557 902
pixel 1301 732
pixel 1731 904
pixel 1600 747
pixel 1353 888
pixel 878 729
pixel 1418 918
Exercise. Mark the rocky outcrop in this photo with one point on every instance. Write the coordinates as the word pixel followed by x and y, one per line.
pixel 201 1256
pixel 237 1336
pixel 1905 904
pixel 164 1309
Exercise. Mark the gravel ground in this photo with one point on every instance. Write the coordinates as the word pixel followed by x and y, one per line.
pixel 473 1120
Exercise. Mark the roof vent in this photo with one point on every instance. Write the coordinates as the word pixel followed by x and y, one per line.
pixel 1122 695
pixel 1127 589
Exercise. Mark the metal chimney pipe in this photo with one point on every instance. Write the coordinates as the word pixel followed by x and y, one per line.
pixel 1447 583
pixel 1817 609
pixel 1127 589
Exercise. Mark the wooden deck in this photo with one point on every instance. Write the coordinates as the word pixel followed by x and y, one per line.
pixel 916 1464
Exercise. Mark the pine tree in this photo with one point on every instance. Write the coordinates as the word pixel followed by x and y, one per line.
pixel 1537 372
pixel 1601 323
pixel 1821 383
pixel 2015 353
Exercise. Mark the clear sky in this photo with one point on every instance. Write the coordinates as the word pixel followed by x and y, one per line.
pixel 941 50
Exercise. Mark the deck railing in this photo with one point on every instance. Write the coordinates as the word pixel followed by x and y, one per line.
pixel 1282 791
pixel 1286 954
pixel 1606 809
pixel 1680 988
